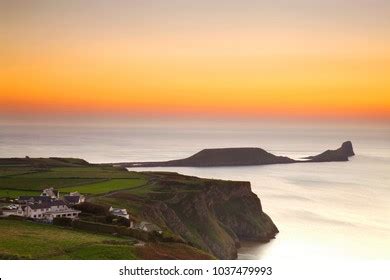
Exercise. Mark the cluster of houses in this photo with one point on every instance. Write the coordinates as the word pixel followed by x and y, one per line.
pixel 46 206
pixel 49 205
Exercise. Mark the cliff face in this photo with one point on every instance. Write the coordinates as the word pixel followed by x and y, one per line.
pixel 212 215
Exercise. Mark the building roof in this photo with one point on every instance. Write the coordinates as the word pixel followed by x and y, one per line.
pixel 14 209
pixel 35 198
pixel 75 194
pixel 149 226
pixel 50 192
pixel 72 198
pixel 47 205
pixel 119 211
pixel 66 211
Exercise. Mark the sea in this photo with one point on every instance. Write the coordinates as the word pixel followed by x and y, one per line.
pixel 335 210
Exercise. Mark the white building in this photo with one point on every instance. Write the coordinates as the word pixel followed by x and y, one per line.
pixel 28 199
pixel 147 226
pixel 41 211
pixel 51 192
pixel 13 210
pixel 119 212
pixel 74 198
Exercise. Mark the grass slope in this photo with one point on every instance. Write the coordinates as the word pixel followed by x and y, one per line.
pixel 106 186
pixel 29 240
pixel 31 184
pixel 88 179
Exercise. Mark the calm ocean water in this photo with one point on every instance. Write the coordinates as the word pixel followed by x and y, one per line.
pixel 323 210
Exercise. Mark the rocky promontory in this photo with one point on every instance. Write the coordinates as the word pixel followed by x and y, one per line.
pixel 212 215
pixel 341 154
pixel 244 157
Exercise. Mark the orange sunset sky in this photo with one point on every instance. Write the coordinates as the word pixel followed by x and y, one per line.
pixel 310 59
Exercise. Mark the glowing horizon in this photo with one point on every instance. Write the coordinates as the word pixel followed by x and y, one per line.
pixel 226 59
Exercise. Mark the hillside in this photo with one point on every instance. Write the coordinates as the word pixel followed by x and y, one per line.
pixel 43 162
pixel 29 179
pixel 213 215
pixel 28 240
pixel 210 215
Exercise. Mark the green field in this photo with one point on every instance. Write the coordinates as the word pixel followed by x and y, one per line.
pixel 83 172
pixel 106 186
pixel 16 193
pixel 30 184
pixel 9 171
pixel 29 240
pixel 87 179
pixel 23 239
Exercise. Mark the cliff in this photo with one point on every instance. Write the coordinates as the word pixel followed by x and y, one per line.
pixel 212 215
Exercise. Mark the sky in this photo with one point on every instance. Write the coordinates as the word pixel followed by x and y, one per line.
pixel 307 59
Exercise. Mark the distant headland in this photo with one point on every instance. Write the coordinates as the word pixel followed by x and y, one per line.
pixel 244 157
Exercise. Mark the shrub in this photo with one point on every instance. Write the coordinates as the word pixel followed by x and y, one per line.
pixel 94 227
pixel 91 208
pixel 63 222
pixel 5 256
pixel 14 217
pixel 120 221
pixel 168 236
pixel 114 229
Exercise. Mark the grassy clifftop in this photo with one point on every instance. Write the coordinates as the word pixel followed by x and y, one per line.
pixel 213 215
pixel 210 215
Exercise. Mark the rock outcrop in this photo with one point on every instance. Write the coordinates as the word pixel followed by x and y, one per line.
pixel 341 154
pixel 212 215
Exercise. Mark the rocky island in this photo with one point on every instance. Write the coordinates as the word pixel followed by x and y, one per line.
pixel 243 157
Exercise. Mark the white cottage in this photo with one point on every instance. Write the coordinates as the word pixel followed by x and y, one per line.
pixel 74 198
pixel 51 192
pixel 49 211
pixel 148 227
pixel 119 212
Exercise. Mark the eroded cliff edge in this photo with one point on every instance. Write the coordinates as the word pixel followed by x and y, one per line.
pixel 213 215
